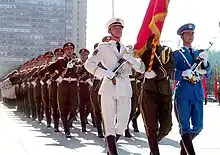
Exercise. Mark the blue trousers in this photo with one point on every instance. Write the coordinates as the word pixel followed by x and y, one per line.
pixel 189 111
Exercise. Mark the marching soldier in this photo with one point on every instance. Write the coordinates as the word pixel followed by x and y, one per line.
pixel 95 97
pixel 44 87
pixel 31 89
pixel 68 87
pixel 189 93
pixel 58 53
pixel 37 89
pixel 156 95
pixel 84 92
pixel 27 107
pixel 116 88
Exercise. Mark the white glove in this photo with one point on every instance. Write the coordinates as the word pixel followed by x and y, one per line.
pixel 201 71
pixel 59 79
pixel 89 82
pixel 109 74
pixel 129 58
pixel 69 65
pixel 129 49
pixel 48 82
pixel 41 82
pixel 187 73
pixel 150 75
pixel 34 83
pixel 204 56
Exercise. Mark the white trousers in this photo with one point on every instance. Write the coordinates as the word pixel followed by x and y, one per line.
pixel 113 108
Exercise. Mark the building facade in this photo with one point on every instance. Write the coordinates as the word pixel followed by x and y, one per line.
pixel 31 27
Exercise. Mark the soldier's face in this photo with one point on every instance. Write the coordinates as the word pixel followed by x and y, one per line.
pixel 84 56
pixel 35 62
pixel 116 31
pixel 58 54
pixel 48 58
pixel 41 60
pixel 188 36
pixel 69 50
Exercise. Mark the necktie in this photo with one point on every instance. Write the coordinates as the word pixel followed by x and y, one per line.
pixel 191 53
pixel 118 46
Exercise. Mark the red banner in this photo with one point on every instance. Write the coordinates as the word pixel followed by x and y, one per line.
pixel 216 83
pixel 152 23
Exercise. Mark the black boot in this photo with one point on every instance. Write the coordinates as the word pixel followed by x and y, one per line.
pixel 187 142
pixel 83 127
pixel 56 129
pixel 160 136
pixel 98 123
pixel 68 135
pixel 100 134
pixel 127 133
pixel 182 150
pixel 111 144
pixel 56 125
pixel 117 137
pixel 134 124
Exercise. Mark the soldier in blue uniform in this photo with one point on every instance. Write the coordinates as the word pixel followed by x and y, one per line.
pixel 189 92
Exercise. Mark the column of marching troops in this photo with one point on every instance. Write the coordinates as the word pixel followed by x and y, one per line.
pixel 62 89
pixel 116 96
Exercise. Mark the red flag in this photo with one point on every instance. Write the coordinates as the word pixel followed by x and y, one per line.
pixel 152 24
pixel 204 85
pixel 216 83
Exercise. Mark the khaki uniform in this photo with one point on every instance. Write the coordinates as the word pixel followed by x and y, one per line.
pixel 67 90
pixel 45 94
pixel 85 107
pixel 37 95
pixel 95 101
pixel 27 107
pixel 156 102
pixel 31 94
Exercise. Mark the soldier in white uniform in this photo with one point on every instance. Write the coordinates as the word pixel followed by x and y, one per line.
pixel 116 88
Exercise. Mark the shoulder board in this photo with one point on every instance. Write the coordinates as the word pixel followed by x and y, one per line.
pixel 104 43
pixel 176 51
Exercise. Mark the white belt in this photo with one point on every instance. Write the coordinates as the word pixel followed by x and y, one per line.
pixel 41 82
pixel 87 81
pixel 132 79
pixel 138 81
pixel 70 79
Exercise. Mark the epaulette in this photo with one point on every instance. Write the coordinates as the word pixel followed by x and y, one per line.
pixel 104 43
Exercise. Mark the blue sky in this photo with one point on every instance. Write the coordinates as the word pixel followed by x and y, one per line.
pixel 204 13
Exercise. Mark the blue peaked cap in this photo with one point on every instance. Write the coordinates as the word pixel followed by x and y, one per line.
pixel 186 27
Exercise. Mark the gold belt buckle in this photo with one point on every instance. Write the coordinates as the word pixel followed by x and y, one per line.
pixel 194 79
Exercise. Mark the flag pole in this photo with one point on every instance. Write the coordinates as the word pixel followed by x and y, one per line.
pixel 113 8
